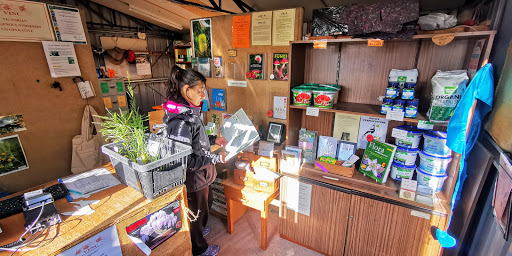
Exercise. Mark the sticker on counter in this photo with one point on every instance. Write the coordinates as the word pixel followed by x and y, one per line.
pixel 420 214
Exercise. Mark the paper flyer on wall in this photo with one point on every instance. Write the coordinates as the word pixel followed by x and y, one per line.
pixel 154 229
pixel 375 126
pixel 346 127
pixel 61 59
pixel 105 243
pixel 67 24
pixel 240 133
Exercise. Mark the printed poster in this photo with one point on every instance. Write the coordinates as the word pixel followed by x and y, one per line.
pixel 202 38
pixel 218 71
pixel 261 28
pixel 24 21
pixel 61 59
pixel 11 124
pixel 280 105
pixel 256 66
pixel 241 31
pixel 12 156
pixel 67 24
pixel 374 126
pixel 283 23
pixel 279 67
pixel 346 127
pixel 154 229
pixel 219 99
pixel 105 243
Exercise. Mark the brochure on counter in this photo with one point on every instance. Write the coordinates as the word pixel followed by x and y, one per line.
pixel 239 132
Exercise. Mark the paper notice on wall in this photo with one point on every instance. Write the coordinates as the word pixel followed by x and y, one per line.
pixel 61 59
pixel 103 243
pixel 280 106
pixel 67 24
pixel 24 21
pixel 241 31
pixel 142 64
pixel 283 22
pixel 298 196
pixel 261 28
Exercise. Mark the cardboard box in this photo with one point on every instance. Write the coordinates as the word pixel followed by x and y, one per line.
pixel 243 177
pixel 245 156
pixel 265 162
pixel 337 168
pixel 155 117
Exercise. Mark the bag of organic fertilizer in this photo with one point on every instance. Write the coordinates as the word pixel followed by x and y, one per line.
pixel 447 89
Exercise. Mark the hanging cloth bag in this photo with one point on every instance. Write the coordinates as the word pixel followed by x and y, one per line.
pixel 86 146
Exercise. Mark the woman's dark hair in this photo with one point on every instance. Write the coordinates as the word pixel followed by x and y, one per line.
pixel 180 77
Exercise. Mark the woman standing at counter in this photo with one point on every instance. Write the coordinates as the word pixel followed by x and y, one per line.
pixel 185 92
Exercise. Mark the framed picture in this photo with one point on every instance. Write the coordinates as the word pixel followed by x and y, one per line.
pixel 275 132
pixel 12 156
pixel 201 30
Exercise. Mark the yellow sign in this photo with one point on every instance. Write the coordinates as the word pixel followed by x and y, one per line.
pixel 320 44
pixel 232 53
pixel 108 102
pixel 443 39
pixel 121 100
pixel 375 42
pixel 25 21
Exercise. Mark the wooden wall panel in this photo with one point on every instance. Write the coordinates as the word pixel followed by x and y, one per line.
pixel 378 228
pixel 321 65
pixel 322 123
pixel 364 71
pixel 52 117
pixel 257 98
pixel 325 228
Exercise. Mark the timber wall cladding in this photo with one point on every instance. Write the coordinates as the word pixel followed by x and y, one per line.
pixel 52 117
pixel 257 98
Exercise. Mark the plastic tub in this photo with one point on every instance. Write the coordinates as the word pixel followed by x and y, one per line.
pixel 302 95
pixel 435 143
pixel 434 164
pixel 399 172
pixel 324 98
pixel 413 137
pixel 332 86
pixel 406 156
pixel 431 180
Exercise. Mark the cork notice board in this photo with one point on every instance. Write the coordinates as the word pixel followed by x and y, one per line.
pixel 52 117
pixel 257 98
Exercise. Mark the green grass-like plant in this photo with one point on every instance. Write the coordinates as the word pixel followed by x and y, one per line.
pixel 128 128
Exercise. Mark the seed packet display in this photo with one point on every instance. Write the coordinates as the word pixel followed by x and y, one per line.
pixel 279 67
pixel 157 227
pixel 308 144
pixel 256 66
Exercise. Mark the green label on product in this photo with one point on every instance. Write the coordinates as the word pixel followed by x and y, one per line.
pixel 450 89
pixel 120 86
pixel 104 87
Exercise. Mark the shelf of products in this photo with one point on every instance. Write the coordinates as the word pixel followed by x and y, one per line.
pixel 362 109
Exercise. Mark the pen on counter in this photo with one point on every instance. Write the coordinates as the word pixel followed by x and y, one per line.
pixel 73 191
pixel 67 195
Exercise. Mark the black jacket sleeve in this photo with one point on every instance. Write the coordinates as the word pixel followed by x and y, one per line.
pixel 212 139
pixel 179 130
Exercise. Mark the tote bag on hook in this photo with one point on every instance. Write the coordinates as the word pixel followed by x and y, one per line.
pixel 86 146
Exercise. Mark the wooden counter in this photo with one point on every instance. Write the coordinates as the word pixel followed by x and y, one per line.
pixel 119 205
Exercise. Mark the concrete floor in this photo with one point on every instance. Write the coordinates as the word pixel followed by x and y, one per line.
pixel 246 238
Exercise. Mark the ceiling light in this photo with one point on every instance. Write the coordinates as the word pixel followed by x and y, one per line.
pixel 147 14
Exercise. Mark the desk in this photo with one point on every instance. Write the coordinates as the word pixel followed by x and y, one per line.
pixel 120 206
pixel 239 197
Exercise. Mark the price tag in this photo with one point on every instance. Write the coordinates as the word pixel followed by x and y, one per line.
pixel 33 193
pixel 320 44
pixel 375 42
pixel 312 111
pixel 443 39
pixel 399 134
pixel 425 125
pixel 397 115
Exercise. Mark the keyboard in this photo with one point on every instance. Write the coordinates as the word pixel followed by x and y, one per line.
pixel 15 205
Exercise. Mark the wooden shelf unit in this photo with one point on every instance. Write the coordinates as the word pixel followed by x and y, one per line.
pixel 363 110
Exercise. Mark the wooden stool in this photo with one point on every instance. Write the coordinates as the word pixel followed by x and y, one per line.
pixel 239 198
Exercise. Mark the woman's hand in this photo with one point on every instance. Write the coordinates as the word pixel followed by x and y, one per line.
pixel 221 142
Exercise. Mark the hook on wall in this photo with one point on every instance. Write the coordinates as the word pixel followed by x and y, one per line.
pixel 57 85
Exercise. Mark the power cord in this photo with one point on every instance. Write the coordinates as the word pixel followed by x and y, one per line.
pixel 21 241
